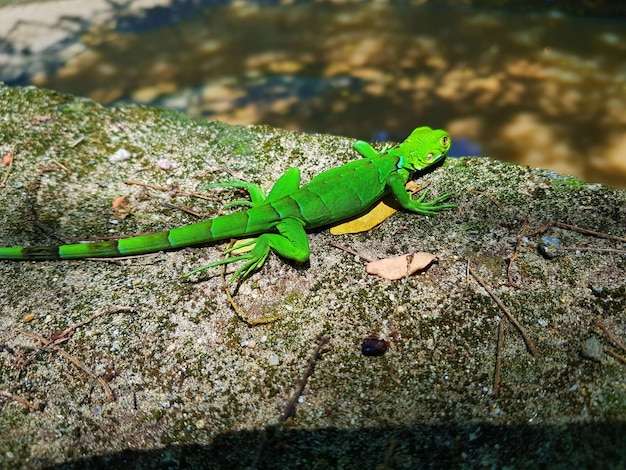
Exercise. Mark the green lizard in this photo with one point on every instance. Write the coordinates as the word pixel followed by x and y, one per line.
pixel 282 217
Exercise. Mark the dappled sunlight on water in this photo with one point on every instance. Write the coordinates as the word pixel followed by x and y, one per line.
pixel 543 90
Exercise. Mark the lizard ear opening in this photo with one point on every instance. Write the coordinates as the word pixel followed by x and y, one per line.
pixel 445 141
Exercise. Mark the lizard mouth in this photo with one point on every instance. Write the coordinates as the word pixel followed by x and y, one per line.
pixel 431 157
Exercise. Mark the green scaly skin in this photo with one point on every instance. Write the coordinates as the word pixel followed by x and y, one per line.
pixel 282 217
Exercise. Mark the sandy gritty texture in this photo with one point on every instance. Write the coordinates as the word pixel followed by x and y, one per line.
pixel 195 386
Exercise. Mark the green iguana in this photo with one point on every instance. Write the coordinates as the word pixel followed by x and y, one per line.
pixel 282 217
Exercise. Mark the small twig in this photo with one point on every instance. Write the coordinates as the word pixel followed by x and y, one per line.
pixel 146 185
pixel 290 407
pixel 544 228
pixel 590 232
pixel 529 343
pixel 509 270
pixel 63 167
pixel 514 256
pixel 351 251
pixel 409 260
pixel 69 331
pixel 186 210
pixel 614 355
pixel 75 142
pixel 562 225
pixel 37 406
pixel 77 362
pixel 611 337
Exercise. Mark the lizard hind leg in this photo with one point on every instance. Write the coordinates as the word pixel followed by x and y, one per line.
pixel 291 242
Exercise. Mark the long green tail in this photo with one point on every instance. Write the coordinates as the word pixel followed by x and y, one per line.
pixel 239 224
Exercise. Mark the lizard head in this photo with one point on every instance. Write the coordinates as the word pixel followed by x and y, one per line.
pixel 423 148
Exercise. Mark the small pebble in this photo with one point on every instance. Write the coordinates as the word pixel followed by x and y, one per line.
pixel 592 349
pixel 119 156
pixel 549 247
pixel 597 290
pixel 273 360
pixel 165 164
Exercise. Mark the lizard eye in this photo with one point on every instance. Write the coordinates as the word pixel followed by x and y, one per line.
pixel 445 141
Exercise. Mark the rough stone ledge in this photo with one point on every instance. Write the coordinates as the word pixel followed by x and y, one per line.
pixel 195 386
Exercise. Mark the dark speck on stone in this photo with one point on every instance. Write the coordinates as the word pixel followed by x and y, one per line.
pixel 374 346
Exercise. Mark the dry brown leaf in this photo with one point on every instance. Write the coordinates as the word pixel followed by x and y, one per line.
pixel 7 159
pixel 122 208
pixel 397 267
pixel 413 186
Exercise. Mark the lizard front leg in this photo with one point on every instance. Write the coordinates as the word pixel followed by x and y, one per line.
pixel 257 195
pixel 397 185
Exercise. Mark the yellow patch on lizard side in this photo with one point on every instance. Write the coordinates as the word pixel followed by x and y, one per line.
pixel 367 221
pixel 383 210
pixel 243 249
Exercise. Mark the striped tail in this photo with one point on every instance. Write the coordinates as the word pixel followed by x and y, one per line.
pixel 238 224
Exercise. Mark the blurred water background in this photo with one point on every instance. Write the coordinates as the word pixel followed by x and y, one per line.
pixel 537 83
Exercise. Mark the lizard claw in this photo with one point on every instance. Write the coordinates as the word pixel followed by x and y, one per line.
pixel 430 207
